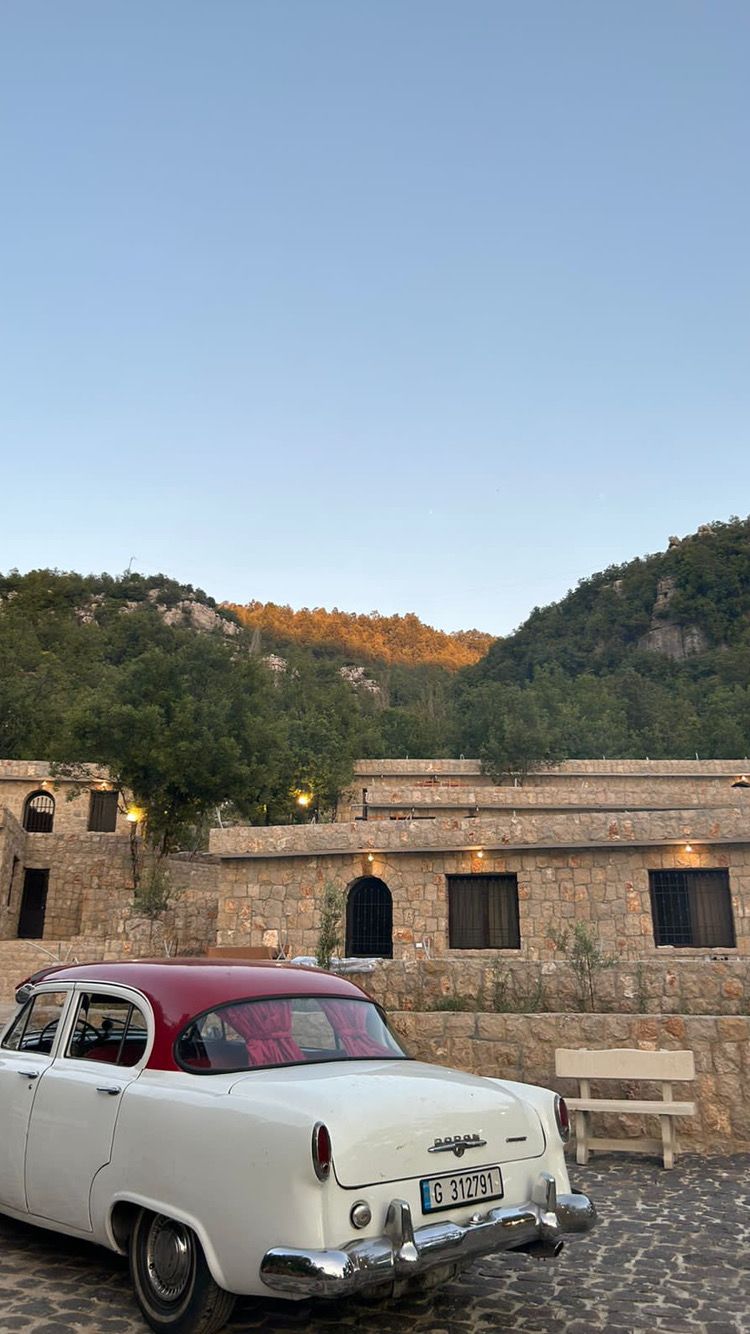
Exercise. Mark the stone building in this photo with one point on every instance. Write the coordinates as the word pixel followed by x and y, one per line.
pixel 64 843
pixel 66 876
pixel 435 861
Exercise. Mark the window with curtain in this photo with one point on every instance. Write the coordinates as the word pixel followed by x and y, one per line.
pixel 692 909
pixel 483 912
pixel 102 812
pixel 286 1030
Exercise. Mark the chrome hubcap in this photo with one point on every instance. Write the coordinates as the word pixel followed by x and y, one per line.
pixel 169 1258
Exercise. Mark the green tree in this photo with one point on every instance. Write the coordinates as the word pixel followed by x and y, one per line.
pixel 184 726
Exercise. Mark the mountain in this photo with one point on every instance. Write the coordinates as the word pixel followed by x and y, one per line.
pixel 650 658
pixel 130 669
pixel 362 638
pixel 647 658
pixel 686 601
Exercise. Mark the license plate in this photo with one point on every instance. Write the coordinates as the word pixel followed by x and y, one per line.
pixel 457 1188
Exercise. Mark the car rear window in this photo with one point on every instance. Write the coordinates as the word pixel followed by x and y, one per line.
pixel 289 1030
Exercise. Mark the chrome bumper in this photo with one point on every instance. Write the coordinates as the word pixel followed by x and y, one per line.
pixel 402 1253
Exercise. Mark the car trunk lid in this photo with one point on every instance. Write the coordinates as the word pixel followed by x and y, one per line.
pixel 391 1120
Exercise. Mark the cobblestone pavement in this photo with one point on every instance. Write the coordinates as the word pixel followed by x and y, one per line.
pixel 671 1252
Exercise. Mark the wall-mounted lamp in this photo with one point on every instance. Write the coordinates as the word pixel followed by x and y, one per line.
pixel 479 853
pixel 688 847
pixel 370 857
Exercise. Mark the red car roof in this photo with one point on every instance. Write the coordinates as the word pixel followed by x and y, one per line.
pixel 180 989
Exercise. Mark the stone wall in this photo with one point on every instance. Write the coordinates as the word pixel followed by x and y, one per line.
pixel 709 985
pixel 395 787
pixel 515 1046
pixel 12 844
pixel 276 900
pixel 645 768
pixel 503 830
pixel 90 889
pixel 19 778
pixel 88 874
pixel 383 800
pixel 187 926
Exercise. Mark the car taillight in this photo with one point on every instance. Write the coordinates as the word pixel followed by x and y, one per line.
pixel 321 1151
pixel 562 1116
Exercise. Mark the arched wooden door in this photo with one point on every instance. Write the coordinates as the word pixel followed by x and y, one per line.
pixel 369 919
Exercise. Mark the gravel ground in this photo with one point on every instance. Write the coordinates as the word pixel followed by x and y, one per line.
pixel 671 1252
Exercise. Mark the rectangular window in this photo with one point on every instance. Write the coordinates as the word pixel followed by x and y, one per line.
pixel 483 912
pixel 102 812
pixel 36 1024
pixel 692 908
pixel 109 1029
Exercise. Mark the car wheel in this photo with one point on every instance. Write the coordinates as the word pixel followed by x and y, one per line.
pixel 172 1282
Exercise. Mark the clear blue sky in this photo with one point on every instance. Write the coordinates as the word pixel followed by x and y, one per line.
pixel 394 304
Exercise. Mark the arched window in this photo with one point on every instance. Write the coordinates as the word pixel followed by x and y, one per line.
pixel 39 813
pixel 369 919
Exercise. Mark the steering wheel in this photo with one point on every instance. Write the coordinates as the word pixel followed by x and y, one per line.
pixel 87 1030
pixel 84 1037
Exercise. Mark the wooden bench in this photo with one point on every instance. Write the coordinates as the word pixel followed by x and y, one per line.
pixel 626 1064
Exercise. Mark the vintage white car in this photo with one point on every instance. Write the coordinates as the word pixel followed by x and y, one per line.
pixel 258 1129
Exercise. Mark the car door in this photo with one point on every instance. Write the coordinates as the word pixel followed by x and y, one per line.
pixel 75 1111
pixel 26 1055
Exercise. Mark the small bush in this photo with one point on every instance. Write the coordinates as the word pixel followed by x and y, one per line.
pixel 329 936
pixel 585 958
pixel 153 891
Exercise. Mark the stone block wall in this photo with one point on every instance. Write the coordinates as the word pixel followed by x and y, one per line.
pixel 90 888
pixel 277 900
pixel 19 778
pixel 394 787
pixel 386 801
pixel 503 830
pixel 188 926
pixel 110 927
pixel 12 844
pixel 88 873
pixel 711 985
pixel 514 1046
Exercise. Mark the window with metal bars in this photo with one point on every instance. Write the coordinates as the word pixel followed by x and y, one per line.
pixel 39 813
pixel 692 908
pixel 483 912
pixel 369 919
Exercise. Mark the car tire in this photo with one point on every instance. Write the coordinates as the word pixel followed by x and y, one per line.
pixel 172 1282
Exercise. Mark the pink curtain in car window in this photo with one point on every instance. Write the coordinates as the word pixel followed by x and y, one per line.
pixel 348 1019
pixel 266 1028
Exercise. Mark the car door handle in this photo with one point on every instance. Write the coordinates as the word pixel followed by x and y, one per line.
pixel 29 1074
pixel 105 1088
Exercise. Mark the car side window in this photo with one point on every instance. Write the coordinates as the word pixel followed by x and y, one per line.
pixel 109 1029
pixel 36 1024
